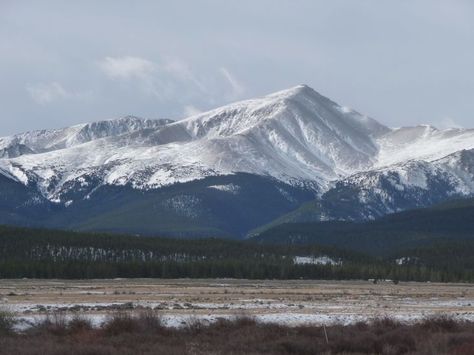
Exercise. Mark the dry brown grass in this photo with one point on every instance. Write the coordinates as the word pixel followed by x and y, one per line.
pixel 144 333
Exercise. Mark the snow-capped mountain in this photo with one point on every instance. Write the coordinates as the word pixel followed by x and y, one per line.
pixel 297 138
pixel 402 186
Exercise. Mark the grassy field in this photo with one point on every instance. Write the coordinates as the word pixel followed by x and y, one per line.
pixel 230 316
pixel 293 302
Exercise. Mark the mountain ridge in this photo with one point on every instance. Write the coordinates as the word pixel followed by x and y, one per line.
pixel 355 167
pixel 284 133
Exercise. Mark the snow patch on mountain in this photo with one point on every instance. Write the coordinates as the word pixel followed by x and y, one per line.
pixel 186 205
pixel 230 188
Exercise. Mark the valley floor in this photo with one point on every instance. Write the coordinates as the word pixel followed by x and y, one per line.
pixel 182 301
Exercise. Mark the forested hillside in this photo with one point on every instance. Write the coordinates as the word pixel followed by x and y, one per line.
pixel 449 222
pixel 37 253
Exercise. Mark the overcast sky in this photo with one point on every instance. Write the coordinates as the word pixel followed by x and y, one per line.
pixel 403 62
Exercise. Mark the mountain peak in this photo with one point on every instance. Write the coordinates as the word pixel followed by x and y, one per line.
pixel 299 89
pixel 294 92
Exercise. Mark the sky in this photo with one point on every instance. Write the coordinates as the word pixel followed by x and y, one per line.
pixel 403 62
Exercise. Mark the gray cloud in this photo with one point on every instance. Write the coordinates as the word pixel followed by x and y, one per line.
pixel 402 62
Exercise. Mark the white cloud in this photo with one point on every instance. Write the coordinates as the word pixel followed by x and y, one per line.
pixel 127 67
pixel 448 122
pixel 46 93
pixel 172 80
pixel 181 70
pixel 236 86
pixel 191 110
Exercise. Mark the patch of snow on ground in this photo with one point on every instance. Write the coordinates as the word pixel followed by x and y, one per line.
pixel 315 260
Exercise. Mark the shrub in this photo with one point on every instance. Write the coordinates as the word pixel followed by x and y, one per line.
pixel 149 321
pixel 54 323
pixel 7 321
pixel 79 323
pixel 440 323
pixel 127 333
pixel 120 322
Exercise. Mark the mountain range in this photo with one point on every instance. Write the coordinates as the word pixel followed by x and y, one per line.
pixel 292 156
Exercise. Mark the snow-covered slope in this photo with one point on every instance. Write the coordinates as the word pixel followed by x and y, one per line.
pixel 296 136
pixel 49 140
pixel 411 184
pixel 421 143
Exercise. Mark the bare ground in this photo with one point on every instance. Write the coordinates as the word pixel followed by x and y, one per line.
pixel 284 302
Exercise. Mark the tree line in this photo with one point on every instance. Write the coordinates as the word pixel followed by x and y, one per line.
pixel 29 253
